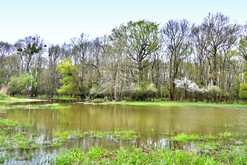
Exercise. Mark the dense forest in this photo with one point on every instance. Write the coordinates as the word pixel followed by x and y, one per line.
pixel 139 60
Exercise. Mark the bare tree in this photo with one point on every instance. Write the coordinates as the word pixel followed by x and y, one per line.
pixel 176 37
pixel 6 50
pixel 221 37
pixel 30 50
pixel 199 42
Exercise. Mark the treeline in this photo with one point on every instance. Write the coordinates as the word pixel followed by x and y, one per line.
pixel 138 61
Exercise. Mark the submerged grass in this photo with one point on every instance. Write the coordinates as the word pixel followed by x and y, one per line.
pixel 6 122
pixel 208 149
pixel 116 134
pixel 222 148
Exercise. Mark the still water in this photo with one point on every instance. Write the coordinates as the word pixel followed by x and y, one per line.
pixel 147 120
pixel 151 122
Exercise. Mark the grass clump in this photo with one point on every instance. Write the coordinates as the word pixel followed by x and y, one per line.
pixel 225 135
pixel 6 122
pixel 3 96
pixel 61 135
pixel 135 155
pixel 130 155
pixel 73 156
pixel 182 137
pixel 125 134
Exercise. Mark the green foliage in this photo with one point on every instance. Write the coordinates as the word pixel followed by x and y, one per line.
pixel 62 135
pixel 243 48
pixel 8 122
pixel 245 76
pixel 243 91
pixel 3 96
pixel 185 137
pixel 213 89
pixel 177 103
pixel 73 156
pixel 143 91
pixel 67 70
pixel 99 100
pixel 213 92
pixel 131 155
pixel 20 140
pixel 124 134
pixel 72 80
pixel 137 33
pixel 21 84
pixel 139 40
pixel 94 153
pixel 225 135
pixel 4 157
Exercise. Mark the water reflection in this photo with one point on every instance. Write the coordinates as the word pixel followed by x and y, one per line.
pixel 148 120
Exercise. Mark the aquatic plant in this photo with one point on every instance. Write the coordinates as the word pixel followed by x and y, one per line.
pixel 130 155
pixel 5 122
pixel 225 135
pixel 73 156
pixel 185 137
pixel 124 134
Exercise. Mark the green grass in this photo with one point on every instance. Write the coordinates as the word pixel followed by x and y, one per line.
pixel 205 149
pixel 63 97
pixel 62 135
pixel 3 96
pixel 136 155
pixel 8 99
pixel 124 134
pixel 73 156
pixel 182 137
pixel 177 103
pixel 33 106
pixel 131 155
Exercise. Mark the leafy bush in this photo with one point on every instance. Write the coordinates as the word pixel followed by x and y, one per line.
pixel 243 91
pixel 213 89
pixel 21 84
pixel 143 91
pixel 213 92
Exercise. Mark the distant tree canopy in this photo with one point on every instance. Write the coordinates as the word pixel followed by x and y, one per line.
pixel 139 60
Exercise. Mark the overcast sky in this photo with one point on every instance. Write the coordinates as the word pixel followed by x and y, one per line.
pixel 57 21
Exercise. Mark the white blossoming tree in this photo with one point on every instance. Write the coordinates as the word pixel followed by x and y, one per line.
pixel 188 86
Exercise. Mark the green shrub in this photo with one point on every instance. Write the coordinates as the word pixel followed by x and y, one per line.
pixel 243 91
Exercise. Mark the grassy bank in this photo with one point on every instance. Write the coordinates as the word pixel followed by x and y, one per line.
pixel 5 99
pixel 177 103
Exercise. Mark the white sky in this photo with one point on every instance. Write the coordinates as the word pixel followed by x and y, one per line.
pixel 57 21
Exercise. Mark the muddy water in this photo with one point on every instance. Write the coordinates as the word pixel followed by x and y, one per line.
pixel 150 121
pixel 147 120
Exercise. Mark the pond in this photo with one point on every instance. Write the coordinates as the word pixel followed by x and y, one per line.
pixel 152 123
pixel 143 119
